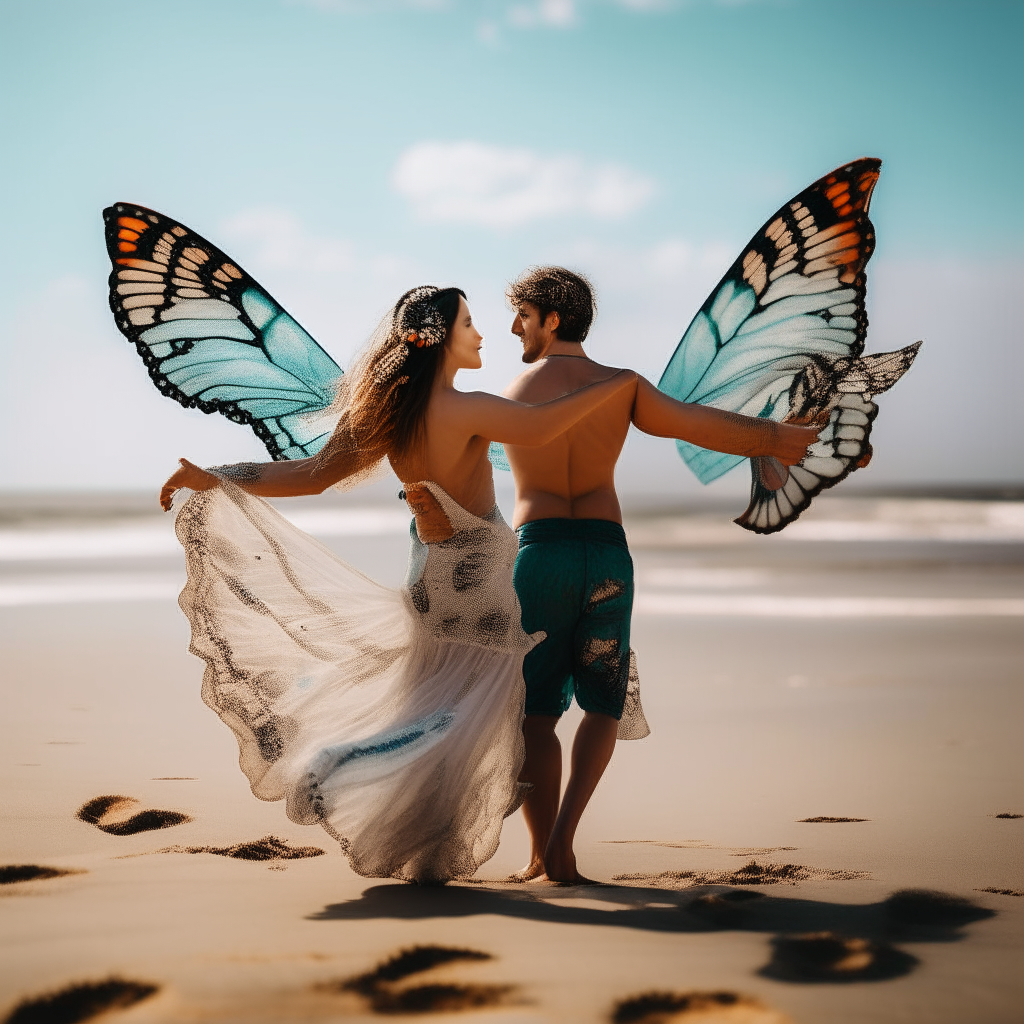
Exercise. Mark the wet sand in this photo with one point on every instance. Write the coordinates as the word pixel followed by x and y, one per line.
pixel 867 671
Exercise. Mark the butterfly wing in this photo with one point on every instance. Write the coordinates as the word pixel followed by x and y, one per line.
pixel 794 299
pixel 837 393
pixel 212 338
pixel 498 458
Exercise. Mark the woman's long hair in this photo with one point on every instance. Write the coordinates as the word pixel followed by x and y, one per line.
pixel 383 398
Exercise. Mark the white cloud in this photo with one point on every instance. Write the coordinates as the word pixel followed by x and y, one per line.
pixel 545 13
pixel 281 242
pixel 336 289
pixel 495 186
pixel 520 14
pixel 374 6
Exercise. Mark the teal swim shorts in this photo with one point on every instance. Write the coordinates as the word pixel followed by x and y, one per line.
pixel 574 578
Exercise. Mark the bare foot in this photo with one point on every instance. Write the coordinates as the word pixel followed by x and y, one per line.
pixel 561 867
pixel 533 871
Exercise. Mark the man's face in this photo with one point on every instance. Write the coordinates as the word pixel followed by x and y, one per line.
pixel 536 336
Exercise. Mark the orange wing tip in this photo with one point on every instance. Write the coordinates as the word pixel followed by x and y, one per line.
pixel 133 223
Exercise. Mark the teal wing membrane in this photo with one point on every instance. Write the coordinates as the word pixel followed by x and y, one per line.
pixel 498 458
pixel 781 338
pixel 212 338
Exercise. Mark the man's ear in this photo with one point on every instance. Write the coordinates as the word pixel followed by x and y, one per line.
pixel 552 321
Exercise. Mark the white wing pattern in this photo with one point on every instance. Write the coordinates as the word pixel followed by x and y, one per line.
pixel 212 338
pixel 781 337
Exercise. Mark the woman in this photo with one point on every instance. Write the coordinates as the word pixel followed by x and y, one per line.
pixel 392 718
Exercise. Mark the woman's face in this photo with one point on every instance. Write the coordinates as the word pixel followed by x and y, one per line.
pixel 464 341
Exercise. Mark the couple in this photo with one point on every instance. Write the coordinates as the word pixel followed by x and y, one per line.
pixel 395 719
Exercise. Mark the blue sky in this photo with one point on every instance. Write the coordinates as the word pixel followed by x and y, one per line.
pixel 343 151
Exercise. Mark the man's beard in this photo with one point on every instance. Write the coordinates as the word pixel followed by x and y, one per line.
pixel 531 353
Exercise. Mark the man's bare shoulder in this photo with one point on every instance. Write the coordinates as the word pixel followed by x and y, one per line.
pixel 518 385
pixel 555 376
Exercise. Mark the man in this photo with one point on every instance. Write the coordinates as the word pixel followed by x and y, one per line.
pixel 574 575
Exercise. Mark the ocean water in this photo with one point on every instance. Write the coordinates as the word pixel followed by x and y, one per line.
pixel 846 557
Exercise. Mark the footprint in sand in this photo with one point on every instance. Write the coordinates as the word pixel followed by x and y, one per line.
pixel 698 1007
pixel 267 848
pixel 827 957
pixel 381 986
pixel 10 873
pixel 722 909
pixel 80 1002
pixel 827 820
pixel 117 816
pixel 750 874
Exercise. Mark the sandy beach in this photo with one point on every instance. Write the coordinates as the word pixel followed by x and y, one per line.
pixel 866 666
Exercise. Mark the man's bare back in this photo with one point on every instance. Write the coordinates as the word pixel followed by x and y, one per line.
pixel 573 477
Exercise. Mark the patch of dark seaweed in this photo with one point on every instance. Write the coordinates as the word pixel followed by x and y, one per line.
pixel 1006 814
pixel 1003 892
pixel 379 986
pixel 931 909
pixel 80 1002
pixel 751 873
pixel 825 819
pixel 267 848
pixel 827 957
pixel 657 1007
pixel 10 873
pixel 101 808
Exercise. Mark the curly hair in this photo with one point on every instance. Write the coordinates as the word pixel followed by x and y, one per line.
pixel 557 290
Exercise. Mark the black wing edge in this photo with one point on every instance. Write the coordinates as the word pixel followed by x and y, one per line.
pixel 229 410
pixel 762 470
pixel 866 170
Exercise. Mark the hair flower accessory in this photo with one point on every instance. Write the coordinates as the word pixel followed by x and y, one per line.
pixel 414 322
pixel 419 322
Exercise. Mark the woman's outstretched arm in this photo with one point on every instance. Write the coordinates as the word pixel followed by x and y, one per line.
pixel 500 419
pixel 656 413
pixel 287 479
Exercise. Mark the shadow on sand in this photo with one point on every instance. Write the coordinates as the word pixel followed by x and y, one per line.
pixel 906 916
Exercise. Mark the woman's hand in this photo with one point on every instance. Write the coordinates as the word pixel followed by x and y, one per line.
pixel 190 476
pixel 791 442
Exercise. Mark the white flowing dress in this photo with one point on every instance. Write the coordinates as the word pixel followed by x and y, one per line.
pixel 393 718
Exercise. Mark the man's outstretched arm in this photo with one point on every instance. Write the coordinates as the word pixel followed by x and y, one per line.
pixel 658 414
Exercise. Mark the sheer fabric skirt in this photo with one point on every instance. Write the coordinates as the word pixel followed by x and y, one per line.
pixel 348 702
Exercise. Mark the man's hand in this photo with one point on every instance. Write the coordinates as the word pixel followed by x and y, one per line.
pixel 791 443
pixel 190 476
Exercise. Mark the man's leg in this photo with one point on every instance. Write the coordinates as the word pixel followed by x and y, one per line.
pixel 591 751
pixel 600 675
pixel 548 577
pixel 543 768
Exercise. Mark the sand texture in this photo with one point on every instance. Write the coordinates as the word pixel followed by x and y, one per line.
pixel 824 826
